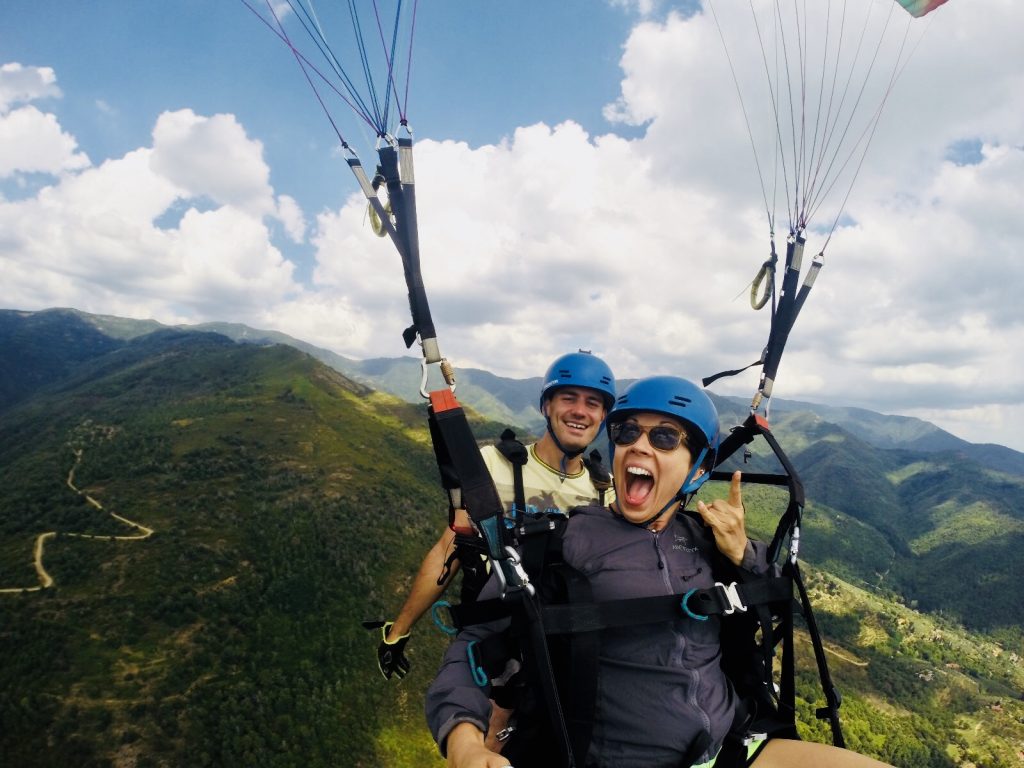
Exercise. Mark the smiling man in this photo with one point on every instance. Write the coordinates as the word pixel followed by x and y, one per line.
pixel 576 394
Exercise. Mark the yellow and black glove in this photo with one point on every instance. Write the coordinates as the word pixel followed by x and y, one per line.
pixel 390 656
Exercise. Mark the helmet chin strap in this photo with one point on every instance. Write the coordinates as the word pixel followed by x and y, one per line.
pixel 567 455
pixel 675 500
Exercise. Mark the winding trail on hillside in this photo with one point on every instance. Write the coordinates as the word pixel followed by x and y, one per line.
pixel 842 654
pixel 45 579
pixel 844 657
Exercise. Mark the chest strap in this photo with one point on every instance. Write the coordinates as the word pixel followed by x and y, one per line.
pixel 698 604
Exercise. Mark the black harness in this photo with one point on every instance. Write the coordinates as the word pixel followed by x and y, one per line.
pixel 757 623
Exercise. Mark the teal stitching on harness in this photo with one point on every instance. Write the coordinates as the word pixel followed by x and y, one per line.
pixel 438 622
pixel 692 615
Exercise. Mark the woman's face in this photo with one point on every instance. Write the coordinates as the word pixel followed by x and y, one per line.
pixel 646 478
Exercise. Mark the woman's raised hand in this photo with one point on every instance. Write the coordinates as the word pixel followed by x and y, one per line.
pixel 725 517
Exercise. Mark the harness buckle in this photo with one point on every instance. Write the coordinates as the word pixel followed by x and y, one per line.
pixel 512 576
pixel 732 595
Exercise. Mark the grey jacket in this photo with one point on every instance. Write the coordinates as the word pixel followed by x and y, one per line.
pixel 660 685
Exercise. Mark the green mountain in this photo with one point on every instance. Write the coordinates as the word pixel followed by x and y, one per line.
pixel 513 401
pixel 285 502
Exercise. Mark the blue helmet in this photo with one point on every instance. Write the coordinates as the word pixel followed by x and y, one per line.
pixel 682 400
pixel 579 369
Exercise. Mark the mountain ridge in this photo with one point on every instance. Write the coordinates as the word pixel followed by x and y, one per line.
pixel 289 502
pixel 513 401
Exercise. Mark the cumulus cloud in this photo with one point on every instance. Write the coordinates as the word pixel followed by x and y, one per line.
pixel 212 156
pixel 20 84
pixel 32 141
pixel 291 217
pixel 173 231
pixel 641 249
pixel 914 308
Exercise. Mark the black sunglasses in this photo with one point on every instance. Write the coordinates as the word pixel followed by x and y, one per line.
pixel 661 437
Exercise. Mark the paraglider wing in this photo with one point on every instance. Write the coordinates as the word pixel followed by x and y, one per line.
pixel 918 8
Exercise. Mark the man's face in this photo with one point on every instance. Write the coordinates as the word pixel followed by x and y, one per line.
pixel 575 414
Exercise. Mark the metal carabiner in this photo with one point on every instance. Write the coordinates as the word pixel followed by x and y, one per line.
pixel 511 575
pixel 447 373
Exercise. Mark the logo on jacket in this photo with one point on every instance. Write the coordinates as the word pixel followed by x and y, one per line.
pixel 680 542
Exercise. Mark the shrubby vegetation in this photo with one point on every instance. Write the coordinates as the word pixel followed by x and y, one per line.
pixel 289 504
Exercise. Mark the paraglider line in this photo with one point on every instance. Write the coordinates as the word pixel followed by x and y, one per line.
pixel 897 73
pixel 853 111
pixel 743 107
pixel 389 57
pixel 408 66
pixel 326 51
pixel 357 29
pixel 303 63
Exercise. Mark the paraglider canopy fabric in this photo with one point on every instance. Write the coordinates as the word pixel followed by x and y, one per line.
pixel 920 7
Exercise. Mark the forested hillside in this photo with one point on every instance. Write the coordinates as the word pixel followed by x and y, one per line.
pixel 287 503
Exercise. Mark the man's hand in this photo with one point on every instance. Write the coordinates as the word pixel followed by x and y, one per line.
pixel 390 653
pixel 725 517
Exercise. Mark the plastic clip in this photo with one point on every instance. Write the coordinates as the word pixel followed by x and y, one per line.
pixel 438 621
pixel 733 596
pixel 686 608
pixel 479 676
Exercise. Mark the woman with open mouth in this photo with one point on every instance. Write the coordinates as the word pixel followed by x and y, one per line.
pixel 657 696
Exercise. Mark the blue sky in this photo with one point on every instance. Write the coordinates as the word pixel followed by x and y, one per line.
pixel 585 178
pixel 479 71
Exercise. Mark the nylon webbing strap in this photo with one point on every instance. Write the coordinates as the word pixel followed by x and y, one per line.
pixel 516 455
pixel 396 167
pixel 600 477
pixel 459 458
pixel 575 618
pixel 529 625
pixel 713 601
pixel 790 303
pixel 742 435
pixel 784 315
pixel 833 699
pixel 788 526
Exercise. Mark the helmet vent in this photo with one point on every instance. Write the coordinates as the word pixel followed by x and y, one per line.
pixel 681 401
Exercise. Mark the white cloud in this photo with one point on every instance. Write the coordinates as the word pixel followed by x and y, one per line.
pixel 290 215
pixel 639 249
pixel 33 142
pixel 994 423
pixel 139 231
pixel 212 156
pixel 322 318
pixel 20 84
pixel 643 249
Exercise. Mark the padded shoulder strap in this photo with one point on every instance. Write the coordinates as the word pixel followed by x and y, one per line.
pixel 599 474
pixel 517 455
